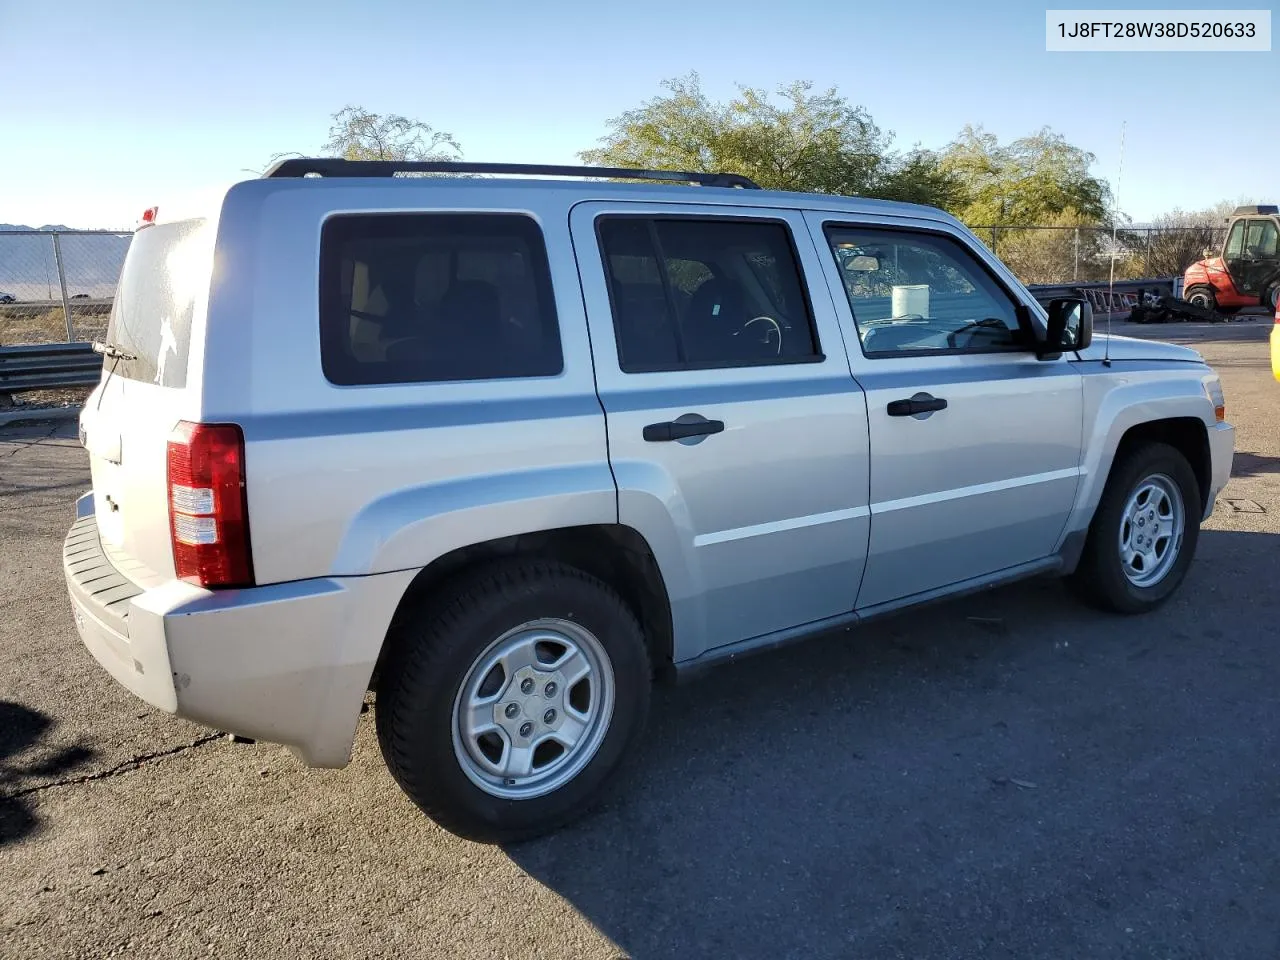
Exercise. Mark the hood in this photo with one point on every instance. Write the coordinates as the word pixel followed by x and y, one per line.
pixel 1133 348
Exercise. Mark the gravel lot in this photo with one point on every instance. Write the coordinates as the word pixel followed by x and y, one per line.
pixel 1007 775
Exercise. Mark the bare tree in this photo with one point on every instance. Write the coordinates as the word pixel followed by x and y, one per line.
pixel 357 134
pixel 1177 239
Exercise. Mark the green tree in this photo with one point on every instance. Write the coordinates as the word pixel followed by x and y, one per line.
pixel 1037 179
pixel 919 176
pixel 357 134
pixel 804 140
pixel 1075 248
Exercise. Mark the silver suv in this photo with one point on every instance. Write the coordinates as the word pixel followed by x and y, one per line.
pixel 503 450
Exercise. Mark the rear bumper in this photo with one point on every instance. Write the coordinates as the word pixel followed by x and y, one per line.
pixel 1222 451
pixel 287 663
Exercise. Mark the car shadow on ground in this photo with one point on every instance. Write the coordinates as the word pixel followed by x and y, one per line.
pixel 1253 465
pixel 1005 774
pixel 22 732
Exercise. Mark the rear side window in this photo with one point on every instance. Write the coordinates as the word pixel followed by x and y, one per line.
pixel 690 293
pixel 416 298
pixel 164 270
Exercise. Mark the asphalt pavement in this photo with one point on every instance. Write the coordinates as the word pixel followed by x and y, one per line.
pixel 1005 775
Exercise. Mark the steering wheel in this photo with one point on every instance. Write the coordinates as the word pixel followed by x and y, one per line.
pixel 772 328
pixel 984 323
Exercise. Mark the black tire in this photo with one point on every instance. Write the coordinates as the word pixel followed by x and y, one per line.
pixel 432 647
pixel 1202 295
pixel 1270 296
pixel 1100 578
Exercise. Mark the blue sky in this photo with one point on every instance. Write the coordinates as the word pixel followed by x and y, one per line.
pixel 108 107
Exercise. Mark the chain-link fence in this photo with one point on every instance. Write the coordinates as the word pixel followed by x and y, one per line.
pixel 58 285
pixel 1083 254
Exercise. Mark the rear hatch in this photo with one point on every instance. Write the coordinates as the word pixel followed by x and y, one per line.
pixel 145 390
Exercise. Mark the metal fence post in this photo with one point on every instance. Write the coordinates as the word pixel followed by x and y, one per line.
pixel 994 234
pixel 1075 263
pixel 1146 256
pixel 62 282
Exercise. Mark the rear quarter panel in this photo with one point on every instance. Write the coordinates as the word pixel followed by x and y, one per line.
pixel 360 480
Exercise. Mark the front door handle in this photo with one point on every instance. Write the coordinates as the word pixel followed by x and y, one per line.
pixel 920 403
pixel 681 430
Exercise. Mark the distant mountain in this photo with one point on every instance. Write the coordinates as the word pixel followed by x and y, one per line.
pixel 29 271
pixel 21 226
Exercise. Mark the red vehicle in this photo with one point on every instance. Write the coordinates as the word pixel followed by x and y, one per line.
pixel 1247 273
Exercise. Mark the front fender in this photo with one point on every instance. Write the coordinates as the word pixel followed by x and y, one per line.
pixel 1118 399
pixel 411 527
pixel 1197 273
pixel 1219 277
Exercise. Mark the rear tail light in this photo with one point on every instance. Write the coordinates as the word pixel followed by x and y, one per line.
pixel 208 512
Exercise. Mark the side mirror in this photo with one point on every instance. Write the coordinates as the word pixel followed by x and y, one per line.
pixel 1070 325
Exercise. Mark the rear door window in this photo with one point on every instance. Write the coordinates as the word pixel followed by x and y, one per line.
pixel 416 298
pixel 691 293
pixel 165 269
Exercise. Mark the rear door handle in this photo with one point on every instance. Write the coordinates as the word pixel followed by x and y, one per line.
pixel 677 430
pixel 920 403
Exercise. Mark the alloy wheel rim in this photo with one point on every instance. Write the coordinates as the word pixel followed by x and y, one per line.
pixel 1152 526
pixel 533 709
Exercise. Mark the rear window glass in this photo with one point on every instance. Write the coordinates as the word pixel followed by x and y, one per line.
pixel 413 298
pixel 164 270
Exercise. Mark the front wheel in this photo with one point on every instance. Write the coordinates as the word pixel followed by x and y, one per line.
pixel 1144 532
pixel 1202 296
pixel 507 704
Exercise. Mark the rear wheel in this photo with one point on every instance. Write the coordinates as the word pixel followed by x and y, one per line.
pixel 1271 296
pixel 1144 532
pixel 507 704
pixel 1202 296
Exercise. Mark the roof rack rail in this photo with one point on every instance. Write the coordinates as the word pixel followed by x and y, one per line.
pixel 337 167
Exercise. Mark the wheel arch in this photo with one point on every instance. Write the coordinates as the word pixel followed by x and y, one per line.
pixel 1270 284
pixel 1183 430
pixel 1107 575
pixel 1173 411
pixel 615 554
pixel 1187 435
pixel 1200 284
